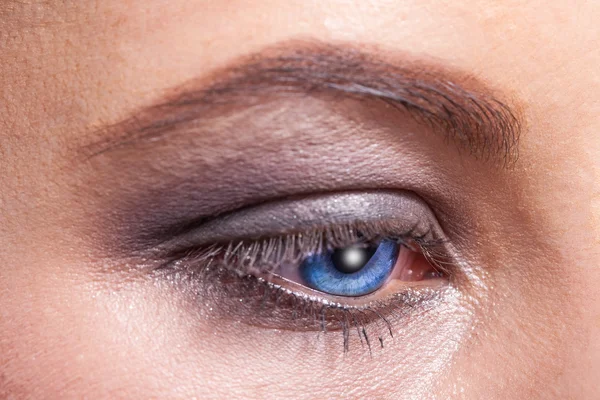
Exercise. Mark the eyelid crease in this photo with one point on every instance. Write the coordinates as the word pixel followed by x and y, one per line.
pixel 397 211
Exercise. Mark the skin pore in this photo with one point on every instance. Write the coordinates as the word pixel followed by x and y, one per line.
pixel 128 128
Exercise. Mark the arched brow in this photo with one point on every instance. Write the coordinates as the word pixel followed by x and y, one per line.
pixel 457 106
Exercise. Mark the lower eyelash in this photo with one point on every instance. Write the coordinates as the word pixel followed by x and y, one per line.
pixel 327 315
pixel 273 306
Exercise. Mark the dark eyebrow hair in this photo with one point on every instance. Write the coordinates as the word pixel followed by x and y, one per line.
pixel 457 105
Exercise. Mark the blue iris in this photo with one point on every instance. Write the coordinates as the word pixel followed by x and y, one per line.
pixel 322 271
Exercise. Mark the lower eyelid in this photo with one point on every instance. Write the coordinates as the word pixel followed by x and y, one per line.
pixel 392 287
pixel 279 304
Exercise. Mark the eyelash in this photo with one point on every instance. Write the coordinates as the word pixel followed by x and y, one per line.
pixel 264 255
pixel 243 267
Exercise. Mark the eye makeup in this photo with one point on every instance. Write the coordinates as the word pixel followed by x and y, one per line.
pixel 253 264
pixel 402 211
pixel 273 153
pixel 234 203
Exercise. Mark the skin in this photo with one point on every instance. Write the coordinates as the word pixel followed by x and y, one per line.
pixel 78 319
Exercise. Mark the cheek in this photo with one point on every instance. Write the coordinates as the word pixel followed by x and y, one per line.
pixel 68 335
pixel 525 331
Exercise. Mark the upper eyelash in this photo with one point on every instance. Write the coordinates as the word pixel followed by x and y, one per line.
pixel 265 255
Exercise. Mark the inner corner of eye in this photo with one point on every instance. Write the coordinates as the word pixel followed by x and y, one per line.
pixel 359 270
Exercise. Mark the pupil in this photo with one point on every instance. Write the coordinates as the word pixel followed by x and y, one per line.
pixel 352 259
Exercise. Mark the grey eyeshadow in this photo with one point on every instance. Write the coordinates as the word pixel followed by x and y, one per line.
pixel 401 209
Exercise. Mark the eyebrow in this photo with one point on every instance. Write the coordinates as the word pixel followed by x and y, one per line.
pixel 458 106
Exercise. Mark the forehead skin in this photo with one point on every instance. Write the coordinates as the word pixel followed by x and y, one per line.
pixel 69 68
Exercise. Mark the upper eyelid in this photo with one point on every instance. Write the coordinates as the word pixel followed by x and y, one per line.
pixel 266 255
pixel 312 212
pixel 410 219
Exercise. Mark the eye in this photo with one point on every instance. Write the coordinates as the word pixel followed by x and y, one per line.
pixel 318 264
pixel 360 269
pixel 351 271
